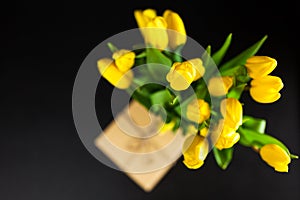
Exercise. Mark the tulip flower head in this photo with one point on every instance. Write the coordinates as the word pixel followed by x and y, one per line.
pixel 176 29
pixel 260 66
pixel 225 136
pixel 198 111
pixel 276 157
pixel 117 71
pixel 219 86
pixel 232 111
pixel 266 89
pixel 195 150
pixel 181 75
pixel 153 28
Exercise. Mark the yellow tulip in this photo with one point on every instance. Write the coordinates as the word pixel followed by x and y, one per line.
pixel 165 127
pixel 195 150
pixel 204 132
pixel 198 111
pixel 144 17
pixel 276 157
pixel 156 34
pixel 176 32
pixel 198 66
pixel 232 111
pixel 153 28
pixel 191 129
pixel 225 136
pixel 181 75
pixel 266 89
pixel 124 59
pixel 219 86
pixel 109 70
pixel 260 66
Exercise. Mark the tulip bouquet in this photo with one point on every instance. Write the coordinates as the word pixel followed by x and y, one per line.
pixel 211 116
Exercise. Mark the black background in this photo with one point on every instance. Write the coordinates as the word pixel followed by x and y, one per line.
pixel 43 45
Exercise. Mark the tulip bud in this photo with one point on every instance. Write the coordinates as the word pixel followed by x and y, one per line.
pixel 260 66
pixel 195 150
pixel 181 75
pixel 124 59
pixel 144 17
pixel 224 136
pixel 232 111
pixel 176 32
pixel 219 86
pixel 266 89
pixel 198 111
pixel 198 65
pixel 155 33
pixel 165 127
pixel 153 28
pixel 276 157
pixel 110 72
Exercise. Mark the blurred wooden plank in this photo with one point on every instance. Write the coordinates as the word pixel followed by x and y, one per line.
pixel 126 150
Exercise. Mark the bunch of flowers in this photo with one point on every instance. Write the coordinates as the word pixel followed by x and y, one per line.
pixel 212 117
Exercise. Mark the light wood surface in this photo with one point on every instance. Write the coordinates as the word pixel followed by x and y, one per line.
pixel 131 141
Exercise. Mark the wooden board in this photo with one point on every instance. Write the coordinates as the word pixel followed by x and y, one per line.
pixel 131 141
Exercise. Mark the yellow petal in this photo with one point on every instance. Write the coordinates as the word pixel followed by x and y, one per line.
pixel 155 33
pixel 195 150
pixel 198 111
pixel 219 86
pixel 232 111
pixel 181 75
pixel 204 132
pixel 192 129
pixel 198 65
pixel 124 59
pixel 165 127
pixel 224 136
pixel 276 157
pixel 176 32
pixel 266 89
pixel 110 72
pixel 143 17
pixel 260 66
pixel 150 13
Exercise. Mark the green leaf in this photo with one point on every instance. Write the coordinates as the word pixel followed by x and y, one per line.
pixel 177 57
pixel 201 89
pixel 236 92
pixel 294 156
pixel 243 78
pixel 161 97
pixel 256 124
pixel 141 55
pixel 234 71
pixel 251 138
pixel 242 57
pixel 206 56
pixel 181 109
pixel 155 56
pixel 154 59
pixel 112 47
pixel 142 97
pixel 177 54
pixel 218 56
pixel 223 157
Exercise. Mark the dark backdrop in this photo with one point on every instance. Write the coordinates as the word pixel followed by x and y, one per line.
pixel 43 45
